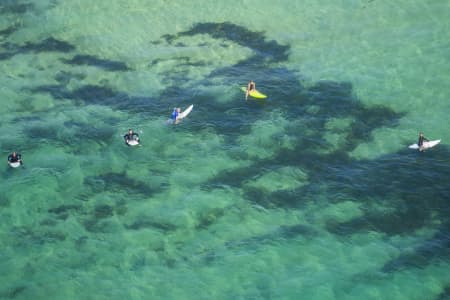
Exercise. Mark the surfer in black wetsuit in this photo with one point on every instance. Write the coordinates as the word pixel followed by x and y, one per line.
pixel 131 136
pixel 15 157
pixel 250 87
pixel 422 139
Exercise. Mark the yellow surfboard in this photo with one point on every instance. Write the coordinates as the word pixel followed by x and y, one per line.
pixel 254 93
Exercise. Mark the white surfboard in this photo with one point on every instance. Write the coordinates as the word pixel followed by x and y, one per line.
pixel 426 145
pixel 14 164
pixel 187 111
pixel 133 143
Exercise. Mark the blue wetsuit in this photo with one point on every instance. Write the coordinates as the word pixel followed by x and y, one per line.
pixel 174 115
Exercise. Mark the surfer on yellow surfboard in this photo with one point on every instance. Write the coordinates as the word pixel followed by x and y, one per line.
pixel 251 90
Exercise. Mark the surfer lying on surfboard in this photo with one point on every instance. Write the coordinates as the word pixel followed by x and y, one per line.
pixel 131 137
pixel 15 158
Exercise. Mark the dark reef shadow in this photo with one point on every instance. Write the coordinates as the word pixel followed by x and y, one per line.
pixel 14 7
pixel 5 33
pixel 48 45
pixel 90 60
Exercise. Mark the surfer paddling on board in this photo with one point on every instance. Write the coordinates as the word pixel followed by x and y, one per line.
pixel 14 158
pixel 250 87
pixel 422 139
pixel 131 136
pixel 175 113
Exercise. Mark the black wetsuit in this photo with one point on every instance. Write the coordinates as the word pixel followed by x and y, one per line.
pixel 13 159
pixel 130 137
pixel 251 87
pixel 421 140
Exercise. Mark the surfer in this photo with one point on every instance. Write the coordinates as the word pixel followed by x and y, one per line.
pixel 250 87
pixel 422 139
pixel 131 136
pixel 15 157
pixel 175 113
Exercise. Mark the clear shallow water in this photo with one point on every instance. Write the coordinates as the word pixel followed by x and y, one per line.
pixel 310 194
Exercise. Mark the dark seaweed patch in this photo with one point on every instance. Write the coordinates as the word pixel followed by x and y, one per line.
pixel 237 34
pixel 445 294
pixel 97 95
pixel 26 236
pixel 48 45
pixel 96 221
pixel 94 225
pixel 65 77
pixel 103 95
pixel 12 292
pixel 6 55
pixel 27 119
pixel 40 131
pixel 90 60
pixel 49 222
pixel 278 234
pixel 103 211
pixel 14 7
pixel 80 242
pixel 145 223
pixel 65 208
pixel 433 248
pixel 188 62
pixel 56 91
pixel 9 30
pixel 207 218
pixel 118 182
pixel 87 132
pixel 73 134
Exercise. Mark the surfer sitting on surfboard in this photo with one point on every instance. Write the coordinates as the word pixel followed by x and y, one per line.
pixel 422 139
pixel 131 136
pixel 250 87
pixel 176 112
pixel 14 158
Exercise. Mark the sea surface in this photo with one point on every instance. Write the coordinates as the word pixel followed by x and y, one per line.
pixel 311 193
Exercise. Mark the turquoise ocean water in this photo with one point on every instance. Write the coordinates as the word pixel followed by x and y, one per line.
pixel 309 194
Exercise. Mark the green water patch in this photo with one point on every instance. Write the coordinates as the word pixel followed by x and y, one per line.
pixel 266 138
pixel 286 178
